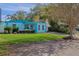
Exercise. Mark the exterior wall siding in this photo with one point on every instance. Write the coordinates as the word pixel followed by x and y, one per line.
pixel 2 26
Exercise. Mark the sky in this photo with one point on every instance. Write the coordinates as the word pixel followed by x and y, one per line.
pixel 11 8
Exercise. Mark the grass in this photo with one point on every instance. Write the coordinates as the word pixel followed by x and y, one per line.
pixel 3 50
pixel 27 38
pixel 6 39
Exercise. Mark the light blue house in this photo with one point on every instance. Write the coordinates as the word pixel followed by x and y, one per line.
pixel 23 25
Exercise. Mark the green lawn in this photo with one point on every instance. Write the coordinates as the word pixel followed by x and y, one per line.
pixel 6 39
pixel 27 38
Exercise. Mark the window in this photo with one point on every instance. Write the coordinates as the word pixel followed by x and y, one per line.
pixel 14 25
pixel 38 27
pixel 26 26
pixel 31 26
pixel 42 27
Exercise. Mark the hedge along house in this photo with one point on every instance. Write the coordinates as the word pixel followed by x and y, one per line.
pixel 24 25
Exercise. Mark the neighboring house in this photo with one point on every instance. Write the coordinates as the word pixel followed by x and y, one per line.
pixel 25 25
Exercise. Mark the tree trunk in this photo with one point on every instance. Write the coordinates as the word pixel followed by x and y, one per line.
pixel 72 34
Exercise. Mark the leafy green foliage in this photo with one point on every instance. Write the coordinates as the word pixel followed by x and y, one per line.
pixel 7 29
pixel 55 26
pixel 29 31
pixel 10 29
pixel 15 29
pixel 19 15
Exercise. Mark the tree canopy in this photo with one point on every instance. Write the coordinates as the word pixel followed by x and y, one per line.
pixel 67 13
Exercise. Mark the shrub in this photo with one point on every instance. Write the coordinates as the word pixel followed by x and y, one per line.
pixel 29 31
pixel 7 29
pixel 15 29
pixel 10 29
pixel 63 29
pixel 58 27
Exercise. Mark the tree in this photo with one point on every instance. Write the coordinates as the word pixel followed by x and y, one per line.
pixel 40 10
pixel 66 13
pixel 12 17
pixel 19 15
pixel 69 14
